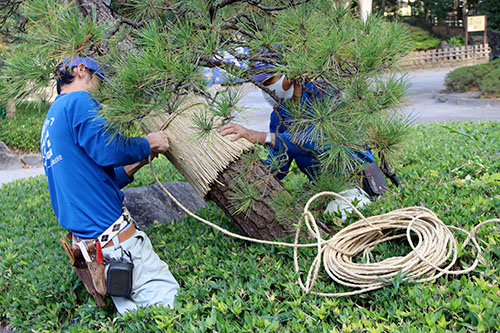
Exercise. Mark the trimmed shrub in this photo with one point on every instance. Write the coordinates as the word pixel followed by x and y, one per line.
pixel 422 39
pixel 490 85
pixel 483 77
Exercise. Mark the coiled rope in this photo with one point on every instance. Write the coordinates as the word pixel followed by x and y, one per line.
pixel 435 247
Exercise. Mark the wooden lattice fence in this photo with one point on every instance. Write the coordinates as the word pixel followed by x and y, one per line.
pixel 473 54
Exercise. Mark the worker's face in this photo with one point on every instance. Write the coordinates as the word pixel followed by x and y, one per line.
pixel 282 87
pixel 94 81
pixel 87 79
pixel 287 83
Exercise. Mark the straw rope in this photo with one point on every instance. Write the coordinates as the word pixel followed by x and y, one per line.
pixel 436 246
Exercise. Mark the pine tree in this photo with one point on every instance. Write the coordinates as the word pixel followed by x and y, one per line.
pixel 154 52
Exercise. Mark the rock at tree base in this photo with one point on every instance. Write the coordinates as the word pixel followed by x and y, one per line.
pixel 151 203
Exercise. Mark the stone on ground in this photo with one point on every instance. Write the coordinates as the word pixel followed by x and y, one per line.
pixel 31 160
pixel 151 203
pixel 9 161
pixel 3 147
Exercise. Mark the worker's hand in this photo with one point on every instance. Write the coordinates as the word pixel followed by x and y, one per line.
pixel 158 142
pixel 242 132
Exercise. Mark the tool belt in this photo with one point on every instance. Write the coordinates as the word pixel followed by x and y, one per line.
pixel 86 256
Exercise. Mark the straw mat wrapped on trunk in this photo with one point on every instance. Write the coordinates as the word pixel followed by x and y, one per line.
pixel 198 157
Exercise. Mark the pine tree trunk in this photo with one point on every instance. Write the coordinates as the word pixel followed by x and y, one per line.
pixel 260 222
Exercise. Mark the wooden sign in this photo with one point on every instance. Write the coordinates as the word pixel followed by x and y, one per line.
pixel 476 23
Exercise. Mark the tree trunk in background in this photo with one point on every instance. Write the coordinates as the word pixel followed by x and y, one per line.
pixel 260 221
pixel 365 9
pixel 103 12
pixel 10 109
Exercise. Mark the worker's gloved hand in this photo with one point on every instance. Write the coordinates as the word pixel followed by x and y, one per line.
pixel 158 142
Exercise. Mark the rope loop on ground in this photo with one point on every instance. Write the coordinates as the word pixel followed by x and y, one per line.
pixel 433 255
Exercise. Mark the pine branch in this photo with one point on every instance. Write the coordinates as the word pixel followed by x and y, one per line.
pixel 127 21
pixel 240 16
pixel 213 10
pixel 9 10
pixel 276 8
pixel 11 7
pixel 235 28
pixel 102 11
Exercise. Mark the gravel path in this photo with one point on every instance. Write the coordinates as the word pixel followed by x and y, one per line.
pixel 426 103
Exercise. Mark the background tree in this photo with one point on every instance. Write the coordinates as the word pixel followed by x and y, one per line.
pixel 491 8
pixel 155 52
pixel 10 20
pixel 382 6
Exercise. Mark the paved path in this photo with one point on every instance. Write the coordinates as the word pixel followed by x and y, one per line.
pixel 425 103
pixel 11 175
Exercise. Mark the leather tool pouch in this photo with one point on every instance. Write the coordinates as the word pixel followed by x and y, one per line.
pixel 82 269
pixel 373 180
pixel 94 269
pixel 97 272
pixel 119 277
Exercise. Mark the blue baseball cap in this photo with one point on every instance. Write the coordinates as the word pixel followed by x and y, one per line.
pixel 89 63
pixel 261 66
pixel 264 67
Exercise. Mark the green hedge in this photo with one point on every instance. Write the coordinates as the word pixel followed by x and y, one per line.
pixel 484 78
pixel 422 39
pixel 23 131
pixel 233 286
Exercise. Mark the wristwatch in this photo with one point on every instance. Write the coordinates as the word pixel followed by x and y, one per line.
pixel 268 140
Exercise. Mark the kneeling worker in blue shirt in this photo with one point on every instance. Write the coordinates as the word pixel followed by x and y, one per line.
pixel 283 144
pixel 86 168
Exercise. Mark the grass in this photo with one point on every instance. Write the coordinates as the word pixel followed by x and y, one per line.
pixel 484 78
pixel 229 285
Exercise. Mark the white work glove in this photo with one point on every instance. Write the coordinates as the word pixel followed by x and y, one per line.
pixel 342 206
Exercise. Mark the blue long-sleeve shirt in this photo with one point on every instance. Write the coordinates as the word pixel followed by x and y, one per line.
pixel 84 164
pixel 306 161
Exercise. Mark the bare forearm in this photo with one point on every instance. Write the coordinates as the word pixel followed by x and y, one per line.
pixel 260 138
pixel 131 169
pixel 243 132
